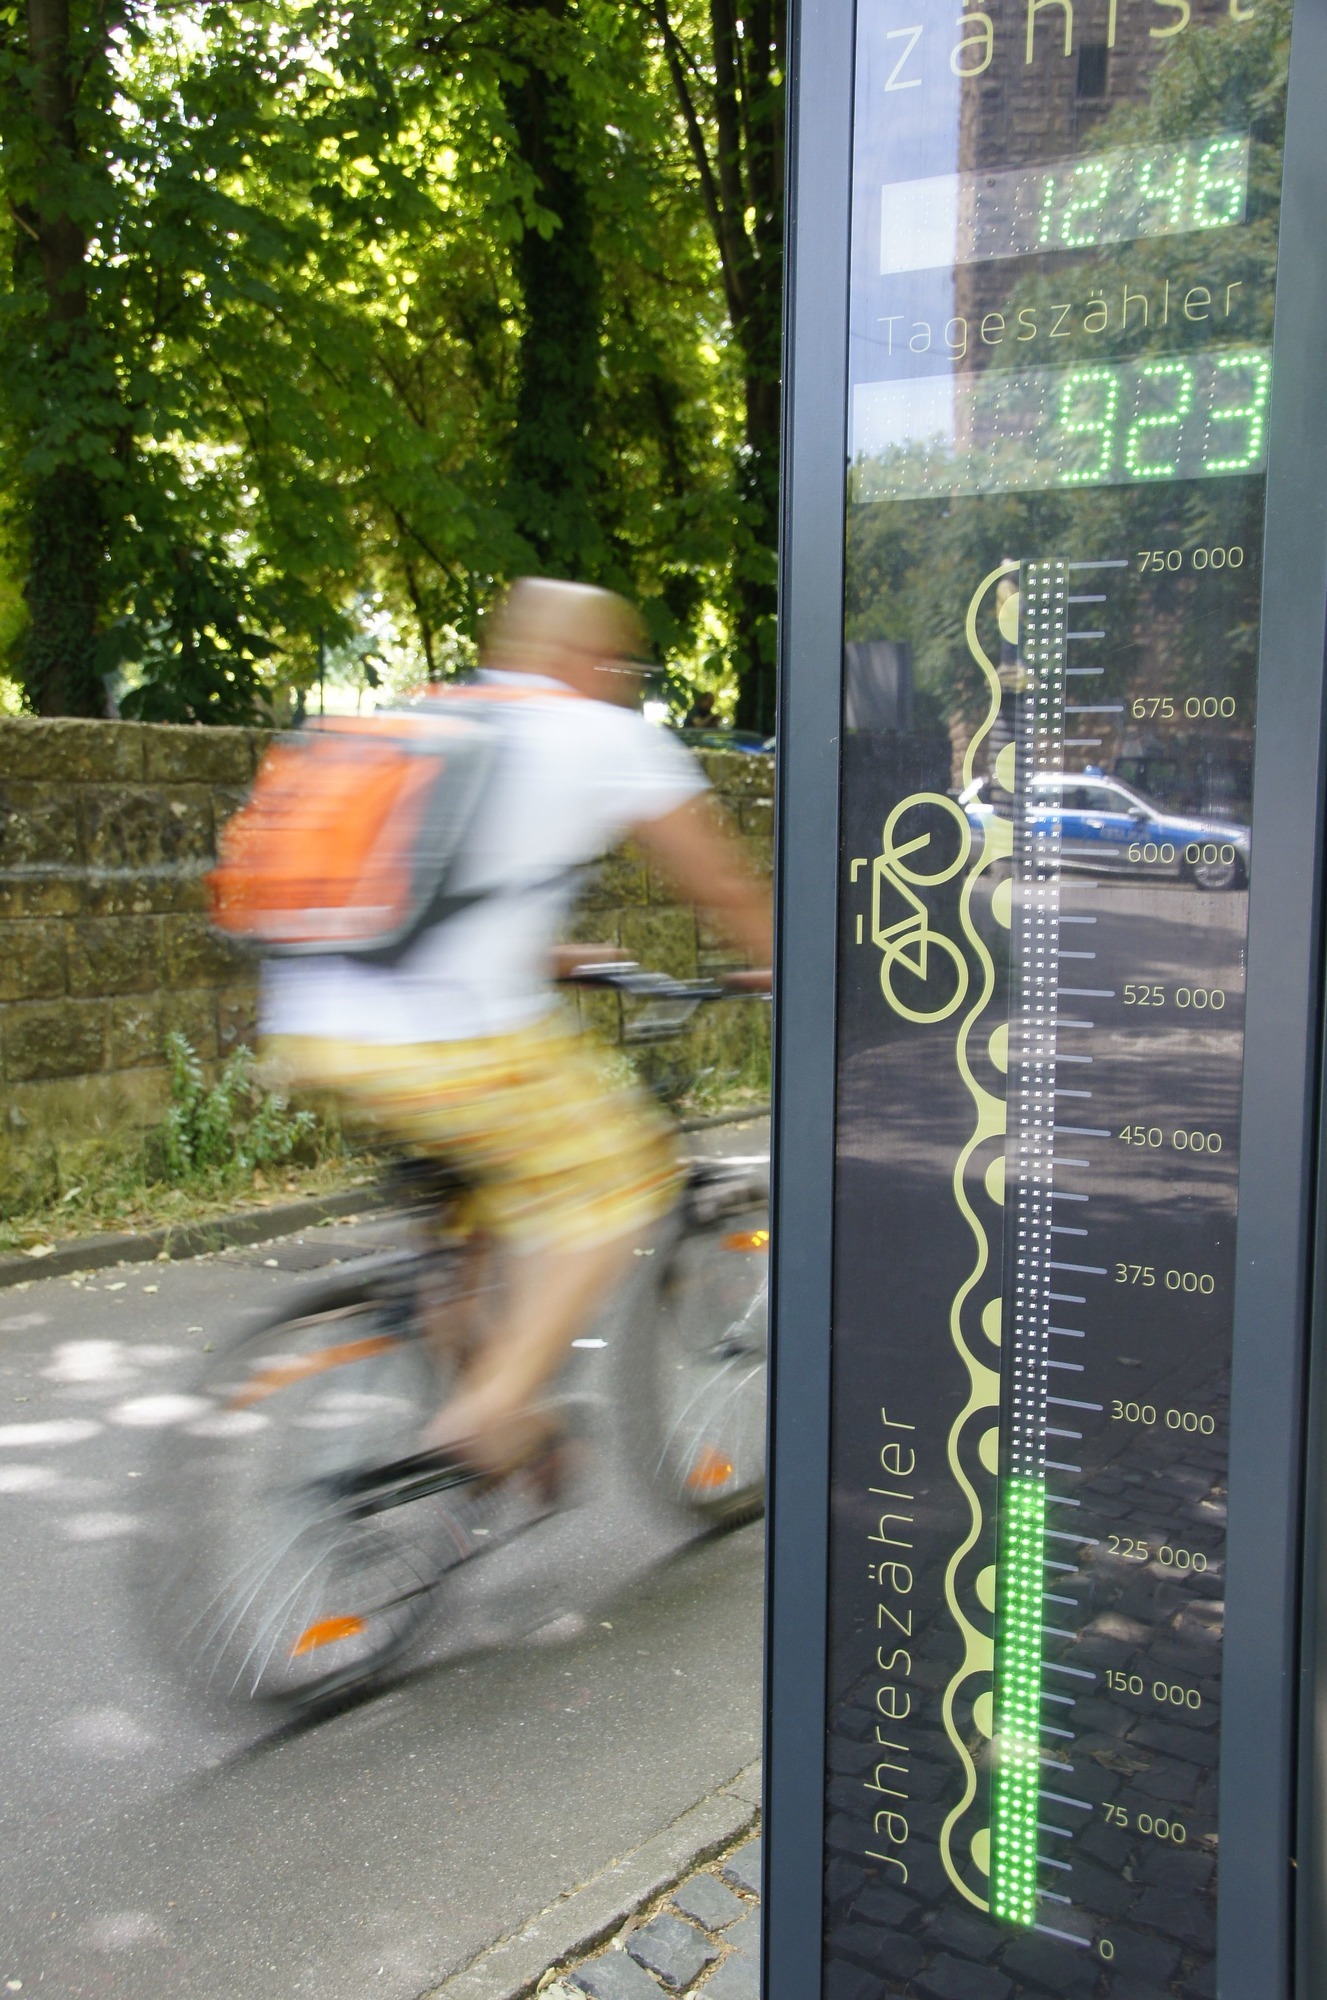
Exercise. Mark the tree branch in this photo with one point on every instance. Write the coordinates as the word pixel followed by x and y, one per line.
pixel 728 265
pixel 22 221
pixel 741 63
pixel 723 28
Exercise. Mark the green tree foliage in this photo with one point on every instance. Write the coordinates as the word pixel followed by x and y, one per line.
pixel 725 61
pixel 313 308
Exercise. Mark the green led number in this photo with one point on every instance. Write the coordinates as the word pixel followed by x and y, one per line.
pixel 1101 426
pixel 1218 198
pixel 1135 464
pixel 1140 193
pixel 1090 203
pixel 1014 1802
pixel 1251 414
pixel 1167 196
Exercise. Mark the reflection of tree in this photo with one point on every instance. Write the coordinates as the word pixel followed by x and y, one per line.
pixel 910 564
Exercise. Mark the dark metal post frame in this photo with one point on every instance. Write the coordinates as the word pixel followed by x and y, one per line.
pixel 1045 1630
pixel 806 875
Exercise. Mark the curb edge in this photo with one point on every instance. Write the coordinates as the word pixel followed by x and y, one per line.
pixel 174 1242
pixel 512 1967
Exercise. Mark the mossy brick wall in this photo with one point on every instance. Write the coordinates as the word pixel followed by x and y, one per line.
pixel 106 831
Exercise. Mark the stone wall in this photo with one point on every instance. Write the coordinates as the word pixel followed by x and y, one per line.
pixel 106 831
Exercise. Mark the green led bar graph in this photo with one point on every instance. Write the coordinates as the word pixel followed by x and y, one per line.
pixel 1030 1252
pixel 1018 1774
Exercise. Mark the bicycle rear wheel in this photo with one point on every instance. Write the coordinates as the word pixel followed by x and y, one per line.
pixel 694 1392
pixel 269 1584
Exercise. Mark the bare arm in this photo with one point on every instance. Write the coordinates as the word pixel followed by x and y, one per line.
pixel 704 861
pixel 565 960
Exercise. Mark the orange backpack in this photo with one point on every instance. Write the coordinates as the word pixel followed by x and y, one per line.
pixel 347 841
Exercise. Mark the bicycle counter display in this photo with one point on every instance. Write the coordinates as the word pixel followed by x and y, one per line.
pixel 1064 244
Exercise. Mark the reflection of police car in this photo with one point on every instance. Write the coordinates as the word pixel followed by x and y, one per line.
pixel 1105 825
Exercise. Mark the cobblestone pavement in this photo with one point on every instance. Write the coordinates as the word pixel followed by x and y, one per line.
pixel 701 1939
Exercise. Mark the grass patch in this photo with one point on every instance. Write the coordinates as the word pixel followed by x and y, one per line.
pixel 235 1143
pixel 222 1145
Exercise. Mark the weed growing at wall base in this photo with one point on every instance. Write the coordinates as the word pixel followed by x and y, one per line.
pixel 234 1123
pixel 220 1142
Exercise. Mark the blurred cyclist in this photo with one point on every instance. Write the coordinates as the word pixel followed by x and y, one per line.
pixel 461 1048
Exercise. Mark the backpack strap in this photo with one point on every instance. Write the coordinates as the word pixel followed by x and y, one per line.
pixel 444 906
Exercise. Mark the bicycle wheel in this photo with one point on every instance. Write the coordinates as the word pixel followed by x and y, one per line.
pixel 919 1000
pixel 694 1385
pixel 931 816
pixel 270 1584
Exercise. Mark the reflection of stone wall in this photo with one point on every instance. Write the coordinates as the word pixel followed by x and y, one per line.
pixel 106 829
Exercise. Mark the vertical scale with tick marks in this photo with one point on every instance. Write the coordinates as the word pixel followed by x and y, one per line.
pixel 1116 1292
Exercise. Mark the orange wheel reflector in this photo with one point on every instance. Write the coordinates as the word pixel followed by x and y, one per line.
pixel 325 1633
pixel 751 1239
pixel 269 1380
pixel 711 1469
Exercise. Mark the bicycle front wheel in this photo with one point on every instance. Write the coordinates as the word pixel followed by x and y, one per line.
pixel 694 1392
pixel 268 1583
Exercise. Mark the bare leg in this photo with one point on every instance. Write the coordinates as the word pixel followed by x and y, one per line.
pixel 550 1295
pixel 455 1316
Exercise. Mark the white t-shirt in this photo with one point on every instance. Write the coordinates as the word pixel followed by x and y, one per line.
pixel 570 777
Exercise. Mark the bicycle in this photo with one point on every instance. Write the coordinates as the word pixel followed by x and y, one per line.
pixel 909 941
pixel 300 1538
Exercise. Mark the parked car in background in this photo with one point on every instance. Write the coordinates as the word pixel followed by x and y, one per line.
pixel 1109 827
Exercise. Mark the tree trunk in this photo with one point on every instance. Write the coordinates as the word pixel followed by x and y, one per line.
pixel 757 592
pixel 734 126
pixel 66 519
pixel 66 551
pixel 554 484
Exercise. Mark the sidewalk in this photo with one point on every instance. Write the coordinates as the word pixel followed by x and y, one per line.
pixel 703 1939
pixel 680 1917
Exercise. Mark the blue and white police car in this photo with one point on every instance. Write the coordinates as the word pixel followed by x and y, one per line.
pixel 1107 826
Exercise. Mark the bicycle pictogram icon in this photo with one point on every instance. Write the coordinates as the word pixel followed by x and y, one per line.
pixel 926 841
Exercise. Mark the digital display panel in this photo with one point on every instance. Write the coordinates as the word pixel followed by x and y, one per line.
pixel 1199 416
pixel 1064 247
pixel 1109 198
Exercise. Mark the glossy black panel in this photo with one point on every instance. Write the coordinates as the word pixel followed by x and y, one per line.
pixel 1064 240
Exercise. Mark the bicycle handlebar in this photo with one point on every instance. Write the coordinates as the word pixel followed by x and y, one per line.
pixel 640 984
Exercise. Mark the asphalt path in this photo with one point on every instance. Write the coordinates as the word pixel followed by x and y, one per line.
pixel 587 1685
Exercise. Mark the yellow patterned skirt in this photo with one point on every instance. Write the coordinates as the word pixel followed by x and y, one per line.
pixel 560 1156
